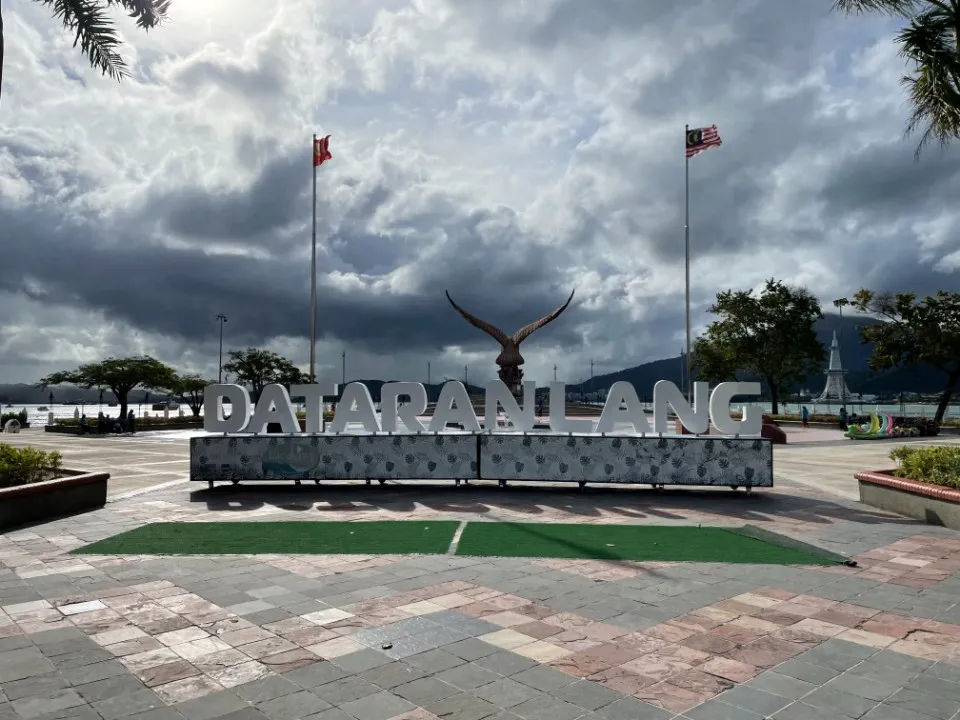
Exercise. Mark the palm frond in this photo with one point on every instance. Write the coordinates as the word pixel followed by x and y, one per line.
pixel 905 8
pixel 147 13
pixel 93 32
pixel 929 42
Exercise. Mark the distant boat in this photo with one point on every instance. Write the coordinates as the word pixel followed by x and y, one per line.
pixel 111 404
pixel 43 408
pixel 9 405
pixel 161 406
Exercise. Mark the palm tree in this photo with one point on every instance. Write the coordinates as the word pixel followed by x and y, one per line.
pixel 931 43
pixel 94 31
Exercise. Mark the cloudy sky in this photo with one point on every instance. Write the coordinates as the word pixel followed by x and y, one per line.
pixel 507 150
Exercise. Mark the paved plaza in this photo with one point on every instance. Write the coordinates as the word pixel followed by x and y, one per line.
pixel 425 637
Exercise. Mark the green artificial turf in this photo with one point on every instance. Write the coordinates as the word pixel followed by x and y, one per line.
pixel 298 538
pixel 629 542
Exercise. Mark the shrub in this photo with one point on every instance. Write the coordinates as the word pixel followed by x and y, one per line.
pixel 22 466
pixel 20 417
pixel 935 465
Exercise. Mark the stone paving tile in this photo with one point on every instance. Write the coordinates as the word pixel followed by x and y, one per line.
pixel 361 636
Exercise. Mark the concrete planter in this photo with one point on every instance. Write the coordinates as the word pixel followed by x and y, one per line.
pixel 92 430
pixel 932 504
pixel 70 495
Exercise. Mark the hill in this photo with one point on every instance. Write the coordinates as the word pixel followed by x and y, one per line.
pixel 860 378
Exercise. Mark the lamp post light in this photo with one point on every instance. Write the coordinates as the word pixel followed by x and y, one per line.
pixel 222 319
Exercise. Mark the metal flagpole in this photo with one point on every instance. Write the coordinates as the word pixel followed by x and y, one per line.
pixel 686 228
pixel 313 273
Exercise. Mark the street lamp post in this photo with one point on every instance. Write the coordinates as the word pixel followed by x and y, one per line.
pixel 343 368
pixel 222 319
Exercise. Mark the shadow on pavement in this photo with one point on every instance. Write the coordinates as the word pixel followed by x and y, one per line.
pixel 545 503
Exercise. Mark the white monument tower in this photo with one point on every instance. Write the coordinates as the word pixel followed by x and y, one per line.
pixel 836 388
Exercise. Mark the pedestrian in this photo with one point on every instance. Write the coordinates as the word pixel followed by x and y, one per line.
pixel 843 418
pixel 131 422
pixel 804 416
pixel 101 423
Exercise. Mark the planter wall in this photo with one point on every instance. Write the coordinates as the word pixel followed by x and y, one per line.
pixel 932 504
pixel 38 502
pixel 92 430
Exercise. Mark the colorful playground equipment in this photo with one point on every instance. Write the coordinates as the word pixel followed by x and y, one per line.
pixel 880 427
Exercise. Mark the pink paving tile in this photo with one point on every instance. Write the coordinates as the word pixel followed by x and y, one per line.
pixel 188 689
pixel 775 593
pixel 765 652
pixel 239 674
pixel 697 623
pixel 688 655
pixel 573 640
pixel 167 673
pixel 245 636
pixel 728 669
pixel 622 680
pixel 640 643
pixel 567 620
pixel 670 697
pixel 263 648
pixel 535 611
pixel 709 643
pixel 670 633
pixel 290 660
pixel 220 659
pixel 657 667
pixel 310 636
pixel 539 630
pixel 479 609
pixel 603 632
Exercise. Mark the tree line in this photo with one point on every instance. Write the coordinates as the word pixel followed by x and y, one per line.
pixel 770 335
pixel 252 367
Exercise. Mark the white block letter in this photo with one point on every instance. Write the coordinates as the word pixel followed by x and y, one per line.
pixel 723 393
pixel 559 422
pixel 623 393
pixel 499 395
pixel 355 394
pixel 274 406
pixel 695 419
pixel 453 406
pixel 389 412
pixel 213 419
pixel 313 402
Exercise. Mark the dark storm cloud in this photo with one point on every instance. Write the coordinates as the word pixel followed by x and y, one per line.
pixel 176 291
pixel 278 196
pixel 887 182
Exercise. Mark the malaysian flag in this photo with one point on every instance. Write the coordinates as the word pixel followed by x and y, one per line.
pixel 700 139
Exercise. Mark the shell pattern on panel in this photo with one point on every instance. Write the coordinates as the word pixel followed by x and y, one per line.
pixel 667 460
pixel 333 457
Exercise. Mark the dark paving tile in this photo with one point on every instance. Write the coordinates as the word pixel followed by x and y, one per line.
pixel 380 706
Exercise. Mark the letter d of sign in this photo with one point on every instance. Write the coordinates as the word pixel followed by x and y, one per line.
pixel 213 417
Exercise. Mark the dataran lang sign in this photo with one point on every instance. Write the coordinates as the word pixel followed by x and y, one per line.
pixel 454 407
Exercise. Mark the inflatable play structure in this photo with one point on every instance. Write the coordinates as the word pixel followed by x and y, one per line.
pixel 880 427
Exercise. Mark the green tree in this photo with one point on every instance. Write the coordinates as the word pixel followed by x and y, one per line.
pixel 189 388
pixel 259 368
pixel 931 45
pixel 914 332
pixel 770 335
pixel 93 30
pixel 118 375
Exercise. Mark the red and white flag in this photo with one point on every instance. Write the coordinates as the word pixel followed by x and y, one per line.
pixel 700 139
pixel 321 151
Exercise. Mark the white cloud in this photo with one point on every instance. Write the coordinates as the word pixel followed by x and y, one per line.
pixel 507 151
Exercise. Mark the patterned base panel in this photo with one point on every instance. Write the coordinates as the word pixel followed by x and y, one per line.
pixel 676 460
